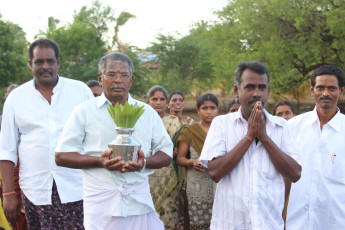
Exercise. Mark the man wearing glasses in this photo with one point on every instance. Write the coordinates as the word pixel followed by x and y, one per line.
pixel 116 194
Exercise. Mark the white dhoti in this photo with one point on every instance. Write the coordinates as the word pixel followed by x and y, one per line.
pixel 107 206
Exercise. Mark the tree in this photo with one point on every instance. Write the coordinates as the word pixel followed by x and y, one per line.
pixel 13 54
pixel 81 42
pixel 183 64
pixel 52 26
pixel 292 38
pixel 120 21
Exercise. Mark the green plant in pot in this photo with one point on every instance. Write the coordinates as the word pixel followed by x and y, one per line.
pixel 125 118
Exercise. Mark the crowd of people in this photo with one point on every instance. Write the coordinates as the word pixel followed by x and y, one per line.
pixel 246 169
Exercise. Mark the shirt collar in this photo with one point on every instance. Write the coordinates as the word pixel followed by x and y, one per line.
pixel 56 87
pixel 104 100
pixel 270 120
pixel 335 122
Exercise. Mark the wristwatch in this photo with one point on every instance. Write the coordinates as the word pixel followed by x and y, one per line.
pixel 144 165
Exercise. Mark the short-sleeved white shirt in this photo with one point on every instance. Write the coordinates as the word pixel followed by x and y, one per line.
pixel 31 126
pixel 251 196
pixel 317 200
pixel 90 129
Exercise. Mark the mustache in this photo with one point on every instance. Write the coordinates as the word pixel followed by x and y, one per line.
pixel 45 71
pixel 254 100
pixel 117 86
pixel 326 98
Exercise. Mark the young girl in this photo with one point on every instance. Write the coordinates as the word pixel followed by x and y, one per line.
pixel 199 186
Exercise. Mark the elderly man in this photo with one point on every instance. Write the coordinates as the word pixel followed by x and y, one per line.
pixel 317 200
pixel 116 194
pixel 248 152
pixel 33 118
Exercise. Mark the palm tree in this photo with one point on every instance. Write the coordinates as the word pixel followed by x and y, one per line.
pixel 120 21
pixel 52 26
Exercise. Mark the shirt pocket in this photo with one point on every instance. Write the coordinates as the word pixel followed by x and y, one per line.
pixel 335 168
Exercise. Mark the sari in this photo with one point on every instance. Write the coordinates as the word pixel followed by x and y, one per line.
pixel 164 182
pixel 199 186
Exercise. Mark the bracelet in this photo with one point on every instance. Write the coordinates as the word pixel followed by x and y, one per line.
pixel 251 141
pixel 188 163
pixel 9 193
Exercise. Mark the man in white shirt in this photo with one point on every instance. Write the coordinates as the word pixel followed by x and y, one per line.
pixel 248 152
pixel 33 118
pixel 116 194
pixel 317 200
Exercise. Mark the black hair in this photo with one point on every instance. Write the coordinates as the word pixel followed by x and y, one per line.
pixel 206 97
pixel 44 42
pixel 173 93
pixel 255 66
pixel 232 102
pixel 92 83
pixel 279 103
pixel 328 70
pixel 154 89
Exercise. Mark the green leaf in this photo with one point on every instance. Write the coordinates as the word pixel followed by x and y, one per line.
pixel 125 116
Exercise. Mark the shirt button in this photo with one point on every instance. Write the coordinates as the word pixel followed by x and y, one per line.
pixel 306 207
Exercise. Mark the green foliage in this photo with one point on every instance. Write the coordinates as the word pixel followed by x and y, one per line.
pixel 142 75
pixel 292 38
pixel 13 56
pixel 81 42
pixel 125 116
pixel 184 65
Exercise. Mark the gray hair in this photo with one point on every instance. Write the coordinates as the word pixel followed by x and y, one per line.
pixel 9 89
pixel 115 57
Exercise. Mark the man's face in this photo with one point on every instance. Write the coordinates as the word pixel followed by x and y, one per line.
pixel 253 87
pixel 44 66
pixel 97 90
pixel 116 88
pixel 326 91
pixel 284 111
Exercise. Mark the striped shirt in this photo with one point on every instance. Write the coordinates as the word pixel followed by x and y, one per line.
pixel 251 196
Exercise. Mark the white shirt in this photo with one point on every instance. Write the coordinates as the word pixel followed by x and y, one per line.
pixel 31 126
pixel 251 196
pixel 90 129
pixel 317 200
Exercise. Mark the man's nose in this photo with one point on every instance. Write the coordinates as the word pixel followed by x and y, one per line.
pixel 118 79
pixel 257 93
pixel 325 92
pixel 45 65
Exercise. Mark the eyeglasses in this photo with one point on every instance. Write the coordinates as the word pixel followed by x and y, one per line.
pixel 113 76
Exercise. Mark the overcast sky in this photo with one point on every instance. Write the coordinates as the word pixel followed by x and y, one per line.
pixel 152 16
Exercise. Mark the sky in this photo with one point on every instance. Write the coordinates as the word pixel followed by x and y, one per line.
pixel 152 16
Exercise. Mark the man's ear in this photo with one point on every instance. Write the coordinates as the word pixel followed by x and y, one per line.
pixel 342 90
pixel 236 90
pixel 30 63
pixel 100 80
pixel 132 80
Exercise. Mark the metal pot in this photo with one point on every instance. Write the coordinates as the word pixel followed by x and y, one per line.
pixel 124 145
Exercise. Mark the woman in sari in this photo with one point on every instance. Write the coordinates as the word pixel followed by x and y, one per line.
pixel 176 106
pixel 199 186
pixel 164 181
